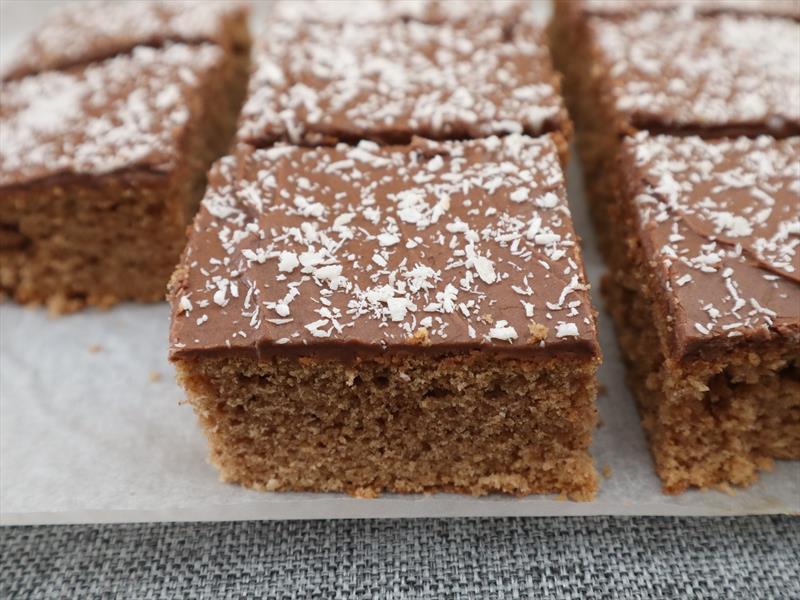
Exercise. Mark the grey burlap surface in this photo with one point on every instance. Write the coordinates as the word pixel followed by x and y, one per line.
pixel 575 558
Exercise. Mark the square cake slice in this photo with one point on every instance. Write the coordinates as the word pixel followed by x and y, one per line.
pixel 102 168
pixel 669 72
pixel 323 83
pixel 407 319
pixel 83 32
pixel 705 294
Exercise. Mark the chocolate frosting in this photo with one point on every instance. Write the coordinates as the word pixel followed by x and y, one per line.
pixel 324 83
pixel 84 32
pixel 382 11
pixel 673 72
pixel 346 251
pixel 130 111
pixel 776 8
pixel 721 220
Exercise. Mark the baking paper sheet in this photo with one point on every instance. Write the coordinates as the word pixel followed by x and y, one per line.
pixel 91 429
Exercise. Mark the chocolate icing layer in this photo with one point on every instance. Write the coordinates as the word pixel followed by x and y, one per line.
pixel 670 71
pixel 325 83
pixel 382 11
pixel 438 247
pixel 84 32
pixel 776 8
pixel 721 220
pixel 130 111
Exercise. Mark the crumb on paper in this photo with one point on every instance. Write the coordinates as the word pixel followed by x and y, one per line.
pixel 365 493
pixel 602 390
pixel 765 463
pixel 154 377
pixel 726 488
pixel 562 497
pixel 607 471
pixel 95 348
pixel 599 423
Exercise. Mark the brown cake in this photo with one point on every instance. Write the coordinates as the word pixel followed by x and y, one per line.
pixel 410 319
pixel 319 84
pixel 102 164
pixel 667 72
pixel 706 298
pixel 716 380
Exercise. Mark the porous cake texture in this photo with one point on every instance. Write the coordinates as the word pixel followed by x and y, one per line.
pixel 705 293
pixel 405 318
pixel 102 164
pixel 323 83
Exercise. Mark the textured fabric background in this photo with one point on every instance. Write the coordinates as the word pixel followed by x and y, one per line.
pixel 572 558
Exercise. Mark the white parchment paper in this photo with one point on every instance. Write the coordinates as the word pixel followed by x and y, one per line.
pixel 91 429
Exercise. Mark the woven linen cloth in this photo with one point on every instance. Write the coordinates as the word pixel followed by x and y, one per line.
pixel 572 558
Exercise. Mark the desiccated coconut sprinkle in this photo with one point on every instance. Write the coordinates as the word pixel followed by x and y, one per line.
pixel 675 70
